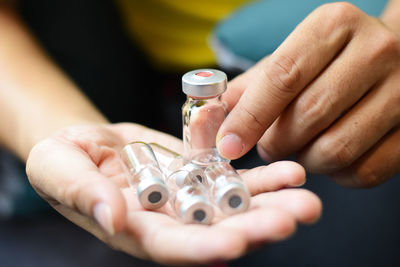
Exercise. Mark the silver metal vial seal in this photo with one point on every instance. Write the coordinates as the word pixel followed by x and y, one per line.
pixel 204 83
pixel 152 193
pixel 196 172
pixel 188 175
pixel 142 163
pixel 233 198
pixel 196 209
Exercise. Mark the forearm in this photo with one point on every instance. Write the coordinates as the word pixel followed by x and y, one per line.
pixel 36 97
pixel 391 15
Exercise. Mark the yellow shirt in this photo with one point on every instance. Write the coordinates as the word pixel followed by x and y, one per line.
pixel 174 33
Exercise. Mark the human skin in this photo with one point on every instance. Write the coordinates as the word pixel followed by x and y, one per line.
pixel 72 154
pixel 329 94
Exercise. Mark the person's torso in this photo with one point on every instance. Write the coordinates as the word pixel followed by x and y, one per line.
pixel 174 34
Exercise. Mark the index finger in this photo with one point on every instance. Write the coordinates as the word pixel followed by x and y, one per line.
pixel 279 78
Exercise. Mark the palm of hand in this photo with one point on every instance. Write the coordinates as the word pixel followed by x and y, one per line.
pixel 79 170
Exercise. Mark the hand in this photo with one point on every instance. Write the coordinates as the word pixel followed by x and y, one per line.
pixel 80 173
pixel 329 93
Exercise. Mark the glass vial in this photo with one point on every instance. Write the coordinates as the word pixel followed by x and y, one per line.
pixel 202 115
pixel 227 188
pixel 147 176
pixel 188 194
pixel 171 161
pixel 189 198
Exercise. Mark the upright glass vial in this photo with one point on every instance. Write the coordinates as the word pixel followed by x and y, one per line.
pixel 227 188
pixel 147 176
pixel 203 114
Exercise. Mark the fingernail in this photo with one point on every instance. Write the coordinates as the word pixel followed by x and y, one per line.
pixel 102 214
pixel 264 155
pixel 301 183
pixel 230 146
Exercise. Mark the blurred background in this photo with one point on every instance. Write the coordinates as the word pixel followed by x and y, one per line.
pixel 87 39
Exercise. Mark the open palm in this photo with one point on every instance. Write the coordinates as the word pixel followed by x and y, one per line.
pixel 80 173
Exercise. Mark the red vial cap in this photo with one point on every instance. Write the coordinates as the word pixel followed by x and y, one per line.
pixel 204 74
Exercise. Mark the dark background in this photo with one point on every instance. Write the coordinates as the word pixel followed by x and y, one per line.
pixel 358 227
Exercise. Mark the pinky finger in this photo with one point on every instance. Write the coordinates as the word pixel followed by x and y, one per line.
pixel 375 167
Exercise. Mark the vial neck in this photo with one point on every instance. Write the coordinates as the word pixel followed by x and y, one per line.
pixel 194 98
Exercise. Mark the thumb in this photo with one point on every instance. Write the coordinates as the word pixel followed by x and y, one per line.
pixel 236 87
pixel 66 174
pixel 232 147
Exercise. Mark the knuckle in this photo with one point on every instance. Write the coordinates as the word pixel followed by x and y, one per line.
pixel 386 46
pixel 339 13
pixel 333 23
pixel 335 18
pixel 312 109
pixel 283 73
pixel 336 154
pixel 366 177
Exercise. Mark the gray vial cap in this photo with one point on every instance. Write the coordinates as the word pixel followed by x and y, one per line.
pixel 233 198
pixel 203 83
pixel 152 193
pixel 196 209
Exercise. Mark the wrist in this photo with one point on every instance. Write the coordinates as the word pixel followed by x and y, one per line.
pixel 29 134
pixel 36 97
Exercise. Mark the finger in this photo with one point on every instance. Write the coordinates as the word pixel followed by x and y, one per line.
pixel 302 204
pixel 237 86
pixel 170 242
pixel 356 132
pixel 376 166
pixel 261 225
pixel 301 57
pixel 65 173
pixel 273 177
pixel 328 97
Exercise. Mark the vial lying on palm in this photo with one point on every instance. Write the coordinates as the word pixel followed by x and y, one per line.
pixel 191 188
pixel 186 182
pixel 225 187
pixel 171 161
pixel 145 175
pixel 189 198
